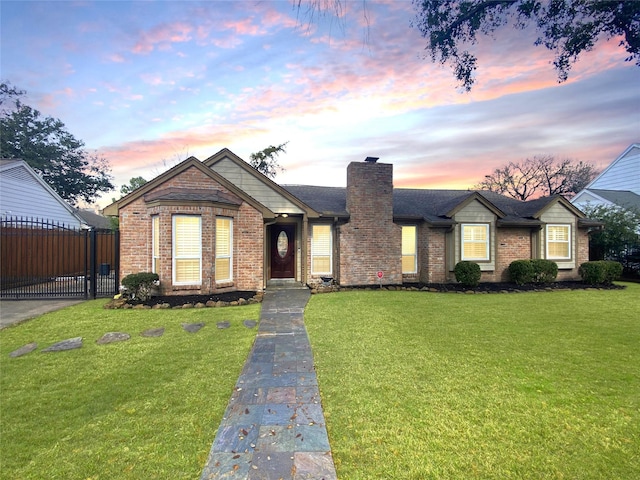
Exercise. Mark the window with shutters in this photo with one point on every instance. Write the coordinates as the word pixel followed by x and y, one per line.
pixel 224 249
pixel 558 242
pixel 409 250
pixel 475 241
pixel 155 244
pixel 187 250
pixel 321 250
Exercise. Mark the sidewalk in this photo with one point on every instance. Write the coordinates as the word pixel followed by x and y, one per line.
pixel 15 311
pixel 274 425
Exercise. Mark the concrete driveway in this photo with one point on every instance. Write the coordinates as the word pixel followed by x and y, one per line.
pixel 16 311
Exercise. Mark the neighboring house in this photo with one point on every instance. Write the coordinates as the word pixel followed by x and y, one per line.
pixel 618 184
pixel 219 224
pixel 24 194
pixel 92 220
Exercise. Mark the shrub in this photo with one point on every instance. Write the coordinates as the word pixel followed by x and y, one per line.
pixel 537 270
pixel 139 285
pixel 521 271
pixel 544 271
pixel 600 272
pixel 467 273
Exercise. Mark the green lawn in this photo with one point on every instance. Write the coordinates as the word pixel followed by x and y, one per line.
pixel 427 385
pixel 141 409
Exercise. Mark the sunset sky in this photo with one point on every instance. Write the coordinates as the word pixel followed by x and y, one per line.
pixel 146 84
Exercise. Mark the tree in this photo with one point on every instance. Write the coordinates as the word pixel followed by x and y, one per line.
pixel 539 176
pixel 54 153
pixel 266 162
pixel 620 237
pixel 566 27
pixel 134 184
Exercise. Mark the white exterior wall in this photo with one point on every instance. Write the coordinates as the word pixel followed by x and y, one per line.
pixel 24 194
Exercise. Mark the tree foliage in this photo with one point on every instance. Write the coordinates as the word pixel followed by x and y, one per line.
pixel 539 176
pixel 134 184
pixel 266 161
pixel 620 235
pixel 54 153
pixel 566 27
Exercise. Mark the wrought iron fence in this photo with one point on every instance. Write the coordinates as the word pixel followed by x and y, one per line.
pixel 40 259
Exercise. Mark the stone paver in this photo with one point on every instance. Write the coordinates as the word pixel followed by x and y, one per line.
pixel 274 426
pixel 68 344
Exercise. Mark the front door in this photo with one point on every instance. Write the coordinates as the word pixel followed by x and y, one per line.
pixel 283 258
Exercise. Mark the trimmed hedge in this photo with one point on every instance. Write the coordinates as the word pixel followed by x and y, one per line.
pixel 521 271
pixel 467 273
pixel 537 270
pixel 600 272
pixel 139 285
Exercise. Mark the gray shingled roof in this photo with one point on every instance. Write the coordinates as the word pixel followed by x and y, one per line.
pixel 622 198
pixel 429 205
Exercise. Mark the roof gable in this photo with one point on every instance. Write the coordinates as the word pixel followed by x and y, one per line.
pixel 259 186
pixel 191 162
pixel 24 193
pixel 622 174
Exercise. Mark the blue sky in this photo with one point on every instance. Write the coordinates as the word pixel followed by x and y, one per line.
pixel 146 84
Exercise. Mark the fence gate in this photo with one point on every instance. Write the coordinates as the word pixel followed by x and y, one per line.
pixel 39 259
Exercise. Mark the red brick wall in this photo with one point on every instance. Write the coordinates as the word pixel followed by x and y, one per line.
pixel 248 238
pixel 370 242
pixel 431 255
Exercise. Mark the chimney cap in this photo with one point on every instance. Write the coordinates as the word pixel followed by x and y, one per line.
pixel 371 159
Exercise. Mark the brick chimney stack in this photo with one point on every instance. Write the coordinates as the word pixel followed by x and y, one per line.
pixel 370 242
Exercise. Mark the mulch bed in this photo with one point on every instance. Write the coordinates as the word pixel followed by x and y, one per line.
pixel 228 297
pixel 179 300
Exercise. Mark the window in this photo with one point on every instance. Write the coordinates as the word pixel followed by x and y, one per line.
pixel 475 242
pixel 409 257
pixel 558 242
pixel 321 250
pixel 224 249
pixel 187 250
pixel 155 244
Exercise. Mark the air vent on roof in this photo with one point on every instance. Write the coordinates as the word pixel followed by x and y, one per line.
pixel 371 159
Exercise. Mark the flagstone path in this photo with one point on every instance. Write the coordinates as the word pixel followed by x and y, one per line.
pixel 274 426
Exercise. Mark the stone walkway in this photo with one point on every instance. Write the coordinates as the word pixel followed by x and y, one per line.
pixel 274 427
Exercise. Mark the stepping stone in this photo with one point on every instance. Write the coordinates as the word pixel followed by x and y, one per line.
pixel 153 332
pixel 28 348
pixel 223 325
pixel 68 344
pixel 249 323
pixel 112 337
pixel 192 327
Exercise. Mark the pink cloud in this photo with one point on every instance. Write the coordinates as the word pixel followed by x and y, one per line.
pixel 162 35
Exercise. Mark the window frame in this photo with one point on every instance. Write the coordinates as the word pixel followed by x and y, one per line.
pixel 487 242
pixel 415 250
pixel 175 258
pixel 155 243
pixel 547 241
pixel 228 256
pixel 323 254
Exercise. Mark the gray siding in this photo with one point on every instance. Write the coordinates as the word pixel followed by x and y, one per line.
pixel 559 215
pixel 475 212
pixel 255 188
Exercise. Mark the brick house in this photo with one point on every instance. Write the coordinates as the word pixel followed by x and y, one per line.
pixel 219 224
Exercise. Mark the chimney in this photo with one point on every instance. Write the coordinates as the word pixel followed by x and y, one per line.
pixel 370 242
